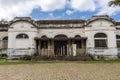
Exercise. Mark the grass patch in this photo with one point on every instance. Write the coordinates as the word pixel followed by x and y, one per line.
pixel 14 62
pixel 102 61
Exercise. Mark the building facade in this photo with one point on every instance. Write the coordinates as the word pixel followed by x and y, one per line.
pixel 97 36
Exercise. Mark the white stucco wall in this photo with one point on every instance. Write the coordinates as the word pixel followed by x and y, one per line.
pixel 69 32
pixel 101 26
pixel 27 45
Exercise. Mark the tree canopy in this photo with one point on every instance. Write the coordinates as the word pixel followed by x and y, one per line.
pixel 114 3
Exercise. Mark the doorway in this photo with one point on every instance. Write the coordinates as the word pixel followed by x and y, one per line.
pixel 60 48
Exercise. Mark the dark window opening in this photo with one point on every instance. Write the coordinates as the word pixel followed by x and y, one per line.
pixel 118 41
pixel 100 43
pixel 44 44
pixel 5 43
pixel 78 43
pixel 100 35
pixel 118 44
pixel 22 36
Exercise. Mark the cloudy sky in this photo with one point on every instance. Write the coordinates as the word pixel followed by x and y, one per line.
pixel 57 9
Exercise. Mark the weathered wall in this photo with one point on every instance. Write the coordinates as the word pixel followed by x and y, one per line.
pixel 17 45
pixel 101 26
pixel 69 32
pixel 3 34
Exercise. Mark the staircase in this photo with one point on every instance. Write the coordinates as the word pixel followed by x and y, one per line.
pixel 65 58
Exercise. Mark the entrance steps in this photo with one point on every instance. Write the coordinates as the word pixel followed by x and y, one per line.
pixel 66 58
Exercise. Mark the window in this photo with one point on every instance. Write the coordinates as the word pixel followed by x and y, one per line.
pixel 100 40
pixel 22 36
pixel 118 41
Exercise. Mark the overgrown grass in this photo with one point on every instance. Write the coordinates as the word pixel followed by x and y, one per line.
pixel 14 62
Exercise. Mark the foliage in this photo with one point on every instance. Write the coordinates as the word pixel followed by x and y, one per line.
pixel 114 3
pixel 14 62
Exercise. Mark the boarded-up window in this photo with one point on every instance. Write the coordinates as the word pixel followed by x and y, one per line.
pixel 22 41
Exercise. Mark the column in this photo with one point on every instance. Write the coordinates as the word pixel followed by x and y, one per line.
pixel 52 47
pixel 39 51
pixel 83 46
pixel 69 48
pixel 72 42
pixel 0 46
pixel 49 46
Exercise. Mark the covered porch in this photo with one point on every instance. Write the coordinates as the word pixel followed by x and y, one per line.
pixel 60 45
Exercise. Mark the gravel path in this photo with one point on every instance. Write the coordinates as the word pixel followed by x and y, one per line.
pixel 61 71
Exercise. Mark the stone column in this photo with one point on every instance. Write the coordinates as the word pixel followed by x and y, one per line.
pixel 69 47
pixel 82 41
pixel 0 46
pixel 83 46
pixel 52 47
pixel 39 44
pixel 49 47
pixel 72 42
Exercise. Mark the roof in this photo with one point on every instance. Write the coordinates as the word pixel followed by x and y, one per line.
pixel 117 23
pixel 3 25
pixel 60 21
pixel 100 17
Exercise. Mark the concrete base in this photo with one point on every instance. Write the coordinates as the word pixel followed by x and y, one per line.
pixel 104 57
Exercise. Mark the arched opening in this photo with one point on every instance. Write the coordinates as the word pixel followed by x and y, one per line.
pixel 44 37
pixel 100 40
pixel 77 41
pixel 100 35
pixel 60 37
pixel 79 45
pixel 60 45
pixel 44 42
pixel 5 42
pixel 22 36
pixel 77 37
pixel 4 45
pixel 5 38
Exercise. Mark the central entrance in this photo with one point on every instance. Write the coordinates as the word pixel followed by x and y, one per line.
pixel 60 45
pixel 60 48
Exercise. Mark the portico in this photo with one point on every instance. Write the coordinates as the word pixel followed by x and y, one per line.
pixel 60 45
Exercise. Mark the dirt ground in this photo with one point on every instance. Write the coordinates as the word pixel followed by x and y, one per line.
pixel 61 71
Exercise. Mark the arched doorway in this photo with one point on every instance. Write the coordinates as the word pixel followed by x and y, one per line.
pixel 60 45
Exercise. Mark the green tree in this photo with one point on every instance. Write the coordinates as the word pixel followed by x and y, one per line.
pixel 114 3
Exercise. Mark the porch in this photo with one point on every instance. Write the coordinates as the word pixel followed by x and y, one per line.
pixel 60 46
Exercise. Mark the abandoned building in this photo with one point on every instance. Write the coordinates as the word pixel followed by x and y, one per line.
pixel 99 36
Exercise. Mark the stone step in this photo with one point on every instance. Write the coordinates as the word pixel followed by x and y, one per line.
pixel 68 58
